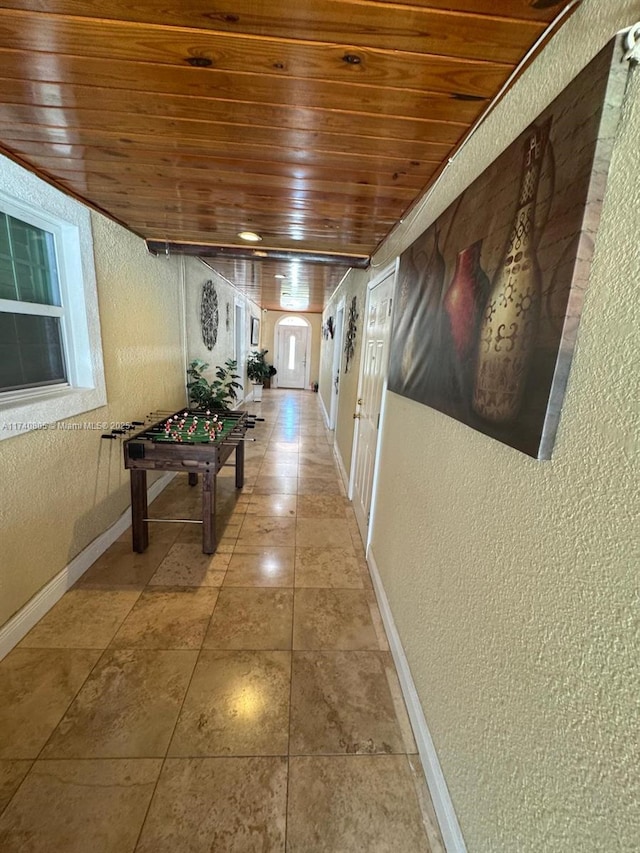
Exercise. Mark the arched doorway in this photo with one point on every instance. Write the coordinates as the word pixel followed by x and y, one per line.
pixel 292 348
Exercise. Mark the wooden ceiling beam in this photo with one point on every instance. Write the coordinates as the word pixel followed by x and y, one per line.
pixel 157 247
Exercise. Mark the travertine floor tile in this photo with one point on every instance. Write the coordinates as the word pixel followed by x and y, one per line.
pixel 322 470
pixel 318 486
pixel 319 532
pixel 327 567
pixel 127 708
pixel 283 433
pixel 251 619
pixel 226 805
pixel 199 667
pixel 36 688
pixel 120 565
pixel 279 469
pixel 283 446
pixel 168 618
pixel 83 619
pixel 322 455
pixel 321 506
pixel 313 444
pixel 160 530
pixel 360 803
pixel 333 619
pixel 273 504
pixel 275 457
pixel 340 703
pixel 186 565
pixel 262 530
pixel 266 485
pixel 237 704
pixel 79 806
pixel 260 566
pixel 11 775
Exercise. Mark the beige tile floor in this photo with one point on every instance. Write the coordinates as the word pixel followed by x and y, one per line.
pixel 173 701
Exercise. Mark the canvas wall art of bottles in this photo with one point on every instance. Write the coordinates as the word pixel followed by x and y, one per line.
pixel 488 298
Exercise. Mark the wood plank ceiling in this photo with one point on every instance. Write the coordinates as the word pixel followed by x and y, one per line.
pixel 315 123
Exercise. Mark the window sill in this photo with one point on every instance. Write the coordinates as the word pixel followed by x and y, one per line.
pixel 44 408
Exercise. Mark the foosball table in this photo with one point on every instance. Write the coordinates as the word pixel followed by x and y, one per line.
pixel 194 442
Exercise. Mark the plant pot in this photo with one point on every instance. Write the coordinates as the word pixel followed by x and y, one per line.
pixel 257 392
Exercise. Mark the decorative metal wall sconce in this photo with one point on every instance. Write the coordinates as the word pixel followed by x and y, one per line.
pixel 328 330
pixel 209 315
pixel 350 337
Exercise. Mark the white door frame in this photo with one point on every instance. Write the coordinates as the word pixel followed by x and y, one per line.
pixel 336 362
pixel 390 269
pixel 239 338
pixel 276 348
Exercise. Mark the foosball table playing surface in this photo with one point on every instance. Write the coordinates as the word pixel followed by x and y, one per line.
pixel 194 442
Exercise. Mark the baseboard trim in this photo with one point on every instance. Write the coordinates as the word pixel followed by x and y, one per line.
pixel 23 621
pixel 342 469
pixel 327 420
pixel 448 822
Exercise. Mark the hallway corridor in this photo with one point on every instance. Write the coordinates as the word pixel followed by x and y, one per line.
pixel 174 702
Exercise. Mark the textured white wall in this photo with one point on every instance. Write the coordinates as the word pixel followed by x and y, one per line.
pixel 59 489
pixel 196 274
pixel 514 583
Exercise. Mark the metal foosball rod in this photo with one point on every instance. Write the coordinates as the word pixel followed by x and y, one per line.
pixel 176 520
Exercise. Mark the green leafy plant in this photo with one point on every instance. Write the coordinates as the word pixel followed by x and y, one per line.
pixel 257 367
pixel 221 393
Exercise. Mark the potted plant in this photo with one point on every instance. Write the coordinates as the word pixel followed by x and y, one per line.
pixel 221 393
pixel 259 371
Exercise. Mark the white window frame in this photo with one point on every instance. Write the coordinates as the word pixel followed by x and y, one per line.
pixel 41 407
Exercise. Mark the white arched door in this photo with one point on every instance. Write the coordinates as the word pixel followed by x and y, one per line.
pixel 292 353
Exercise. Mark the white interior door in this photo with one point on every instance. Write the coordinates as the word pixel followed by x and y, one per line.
pixel 375 355
pixel 293 344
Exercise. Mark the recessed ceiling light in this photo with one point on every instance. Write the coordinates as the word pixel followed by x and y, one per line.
pixel 279 275
pixel 250 236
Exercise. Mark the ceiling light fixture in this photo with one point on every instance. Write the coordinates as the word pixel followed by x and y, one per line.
pixel 279 275
pixel 249 236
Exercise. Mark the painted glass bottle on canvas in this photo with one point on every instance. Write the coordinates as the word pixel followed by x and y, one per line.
pixel 510 320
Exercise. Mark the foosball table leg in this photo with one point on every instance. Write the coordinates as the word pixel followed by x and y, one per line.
pixel 139 527
pixel 208 512
pixel 240 465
